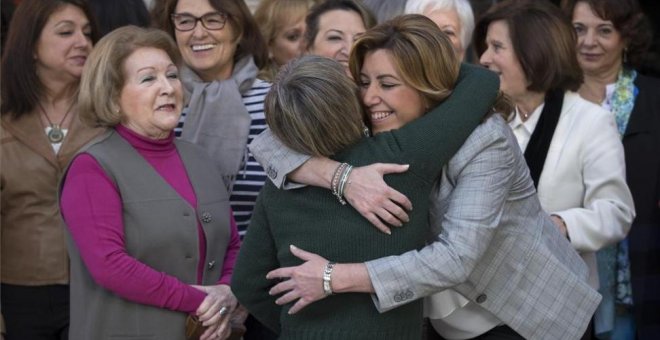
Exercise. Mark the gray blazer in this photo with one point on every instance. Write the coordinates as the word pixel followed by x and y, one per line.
pixel 492 241
pixel 494 245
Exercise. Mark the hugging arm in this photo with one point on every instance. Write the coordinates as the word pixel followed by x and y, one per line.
pixel 350 277
pixel 367 192
pixel 480 178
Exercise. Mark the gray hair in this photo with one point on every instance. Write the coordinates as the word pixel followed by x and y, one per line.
pixel 462 8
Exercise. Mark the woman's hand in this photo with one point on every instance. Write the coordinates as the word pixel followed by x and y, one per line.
pixel 561 225
pixel 215 311
pixel 368 193
pixel 303 283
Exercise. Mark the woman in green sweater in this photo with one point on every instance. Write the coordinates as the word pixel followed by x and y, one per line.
pixel 314 109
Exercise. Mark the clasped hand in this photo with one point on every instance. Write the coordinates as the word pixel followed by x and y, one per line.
pixel 216 311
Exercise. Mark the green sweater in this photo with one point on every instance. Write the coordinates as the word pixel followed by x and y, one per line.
pixel 312 219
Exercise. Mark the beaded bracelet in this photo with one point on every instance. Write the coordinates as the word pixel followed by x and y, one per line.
pixel 336 181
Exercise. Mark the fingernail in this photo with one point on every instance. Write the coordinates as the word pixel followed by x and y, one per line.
pixel 293 247
pixel 388 232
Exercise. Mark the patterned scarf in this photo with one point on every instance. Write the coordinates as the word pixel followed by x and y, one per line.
pixel 613 260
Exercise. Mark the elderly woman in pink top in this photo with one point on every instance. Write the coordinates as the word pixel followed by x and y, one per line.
pixel 153 238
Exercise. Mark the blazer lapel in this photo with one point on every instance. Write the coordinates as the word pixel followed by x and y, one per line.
pixel 29 131
pixel 78 135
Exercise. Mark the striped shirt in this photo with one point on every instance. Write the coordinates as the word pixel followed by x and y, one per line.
pixel 251 176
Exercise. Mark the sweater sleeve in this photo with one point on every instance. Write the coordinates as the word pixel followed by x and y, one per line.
pixel 231 253
pixel 428 143
pixel 257 257
pixel 92 209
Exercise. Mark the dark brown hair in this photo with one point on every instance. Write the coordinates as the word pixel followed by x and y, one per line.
pixel 627 18
pixel 252 43
pixel 21 87
pixel 314 15
pixel 543 40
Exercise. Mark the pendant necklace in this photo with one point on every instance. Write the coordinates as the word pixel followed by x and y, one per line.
pixel 524 116
pixel 56 135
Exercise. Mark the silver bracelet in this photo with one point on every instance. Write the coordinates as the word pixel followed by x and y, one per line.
pixel 342 184
pixel 336 178
pixel 327 279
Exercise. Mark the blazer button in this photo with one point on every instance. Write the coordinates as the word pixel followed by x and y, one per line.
pixel 186 213
pixel 211 264
pixel 272 173
pixel 206 217
pixel 397 298
pixel 481 298
pixel 409 294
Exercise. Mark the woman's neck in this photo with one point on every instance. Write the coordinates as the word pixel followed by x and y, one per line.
pixel 223 73
pixel 58 94
pixel 527 103
pixel 593 87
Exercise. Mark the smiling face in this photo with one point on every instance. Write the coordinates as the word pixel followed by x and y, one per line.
pixel 448 22
pixel 64 44
pixel 288 42
pixel 209 53
pixel 600 46
pixel 390 102
pixel 151 98
pixel 338 29
pixel 500 57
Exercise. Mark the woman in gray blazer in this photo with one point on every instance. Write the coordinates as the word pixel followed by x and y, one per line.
pixel 499 262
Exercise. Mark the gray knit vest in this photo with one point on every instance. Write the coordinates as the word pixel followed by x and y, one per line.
pixel 160 230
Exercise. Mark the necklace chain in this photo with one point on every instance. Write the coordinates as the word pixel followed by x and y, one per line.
pixel 56 135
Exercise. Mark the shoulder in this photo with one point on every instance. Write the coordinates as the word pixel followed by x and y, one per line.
pixel 192 149
pixel 493 129
pixel 647 83
pixel 582 111
pixel 494 133
pixel 97 142
pixel 254 97
pixel 259 87
pixel 648 98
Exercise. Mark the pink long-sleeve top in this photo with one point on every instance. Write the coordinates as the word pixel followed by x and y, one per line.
pixel 92 208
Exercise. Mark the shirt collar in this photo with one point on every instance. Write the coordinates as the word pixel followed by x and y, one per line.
pixel 530 124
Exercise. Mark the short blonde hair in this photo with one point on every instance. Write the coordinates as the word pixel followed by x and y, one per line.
pixel 313 107
pixel 103 75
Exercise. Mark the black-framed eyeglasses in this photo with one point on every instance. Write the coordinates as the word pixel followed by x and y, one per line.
pixel 211 21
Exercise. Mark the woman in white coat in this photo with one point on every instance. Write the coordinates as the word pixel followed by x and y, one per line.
pixel 571 146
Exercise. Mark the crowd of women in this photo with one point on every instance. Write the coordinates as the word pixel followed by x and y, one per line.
pixel 311 170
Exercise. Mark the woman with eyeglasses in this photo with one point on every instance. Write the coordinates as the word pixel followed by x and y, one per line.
pixel 222 50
